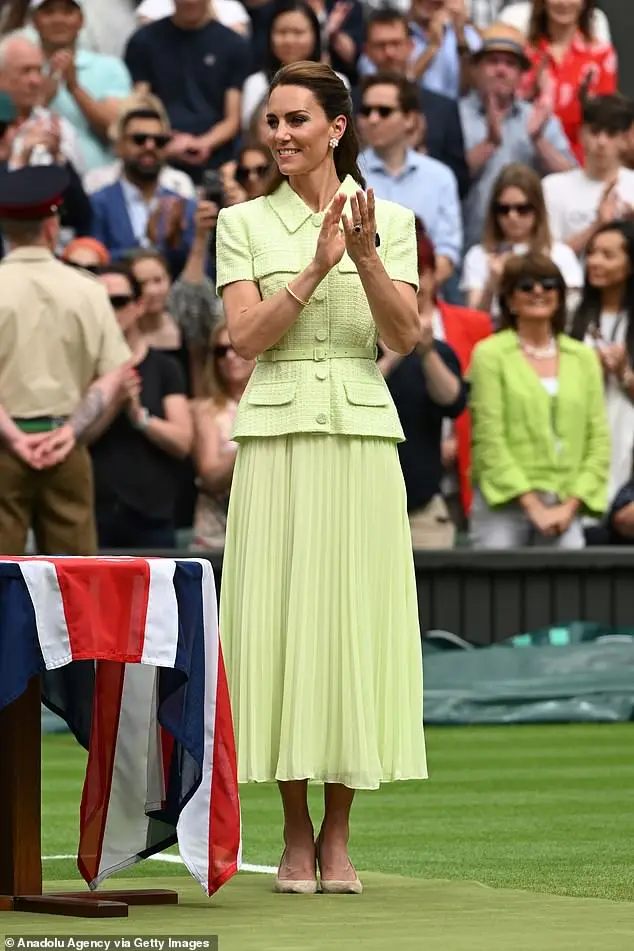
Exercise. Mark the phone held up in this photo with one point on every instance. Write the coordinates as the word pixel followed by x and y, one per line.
pixel 212 189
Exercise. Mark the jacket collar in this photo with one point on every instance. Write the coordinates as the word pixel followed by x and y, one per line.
pixel 32 253
pixel 293 211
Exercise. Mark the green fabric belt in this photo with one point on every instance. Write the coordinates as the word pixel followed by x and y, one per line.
pixel 318 354
pixel 40 424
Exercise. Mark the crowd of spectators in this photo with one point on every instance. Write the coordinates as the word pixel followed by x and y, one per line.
pixel 499 124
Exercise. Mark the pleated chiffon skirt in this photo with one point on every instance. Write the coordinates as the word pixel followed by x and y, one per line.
pixel 318 613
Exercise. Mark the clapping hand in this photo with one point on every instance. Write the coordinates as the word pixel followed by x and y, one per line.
pixel 331 243
pixel 170 214
pixel 337 17
pixel 360 232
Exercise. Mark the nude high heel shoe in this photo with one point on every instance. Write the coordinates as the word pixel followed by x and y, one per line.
pixel 289 886
pixel 331 886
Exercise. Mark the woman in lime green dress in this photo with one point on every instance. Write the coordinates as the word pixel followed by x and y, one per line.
pixel 318 609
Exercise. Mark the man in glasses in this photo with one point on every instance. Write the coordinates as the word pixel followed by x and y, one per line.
pixel 397 173
pixel 137 211
pixel 84 87
pixel 63 361
pixel 389 48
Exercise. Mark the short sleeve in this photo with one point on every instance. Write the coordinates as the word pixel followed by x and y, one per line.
pixel 401 258
pixel 113 351
pixel 475 273
pixel 172 377
pixel 115 80
pixel 234 261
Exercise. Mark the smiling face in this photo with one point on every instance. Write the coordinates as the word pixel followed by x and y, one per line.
pixel 535 299
pixel 607 260
pixel 299 130
pixel 59 23
pixel 292 37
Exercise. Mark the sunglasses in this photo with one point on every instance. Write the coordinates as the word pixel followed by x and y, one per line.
pixel 119 301
pixel 383 111
pixel 92 268
pixel 528 284
pixel 523 209
pixel 222 350
pixel 243 174
pixel 142 138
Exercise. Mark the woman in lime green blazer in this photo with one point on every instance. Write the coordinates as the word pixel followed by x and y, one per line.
pixel 540 435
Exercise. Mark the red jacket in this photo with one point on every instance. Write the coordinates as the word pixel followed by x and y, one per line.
pixel 464 328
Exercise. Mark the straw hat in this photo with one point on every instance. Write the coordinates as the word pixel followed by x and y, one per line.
pixel 500 38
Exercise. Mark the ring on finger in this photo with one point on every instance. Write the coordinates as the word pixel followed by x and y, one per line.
pixel 357 227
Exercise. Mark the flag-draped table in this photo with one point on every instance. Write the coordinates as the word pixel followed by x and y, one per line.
pixel 127 651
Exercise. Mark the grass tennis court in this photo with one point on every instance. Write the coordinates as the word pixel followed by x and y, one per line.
pixel 512 818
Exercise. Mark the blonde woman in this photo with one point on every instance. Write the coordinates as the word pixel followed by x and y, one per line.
pixel 516 223
pixel 226 377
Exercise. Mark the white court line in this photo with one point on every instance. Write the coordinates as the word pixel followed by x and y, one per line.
pixel 174 860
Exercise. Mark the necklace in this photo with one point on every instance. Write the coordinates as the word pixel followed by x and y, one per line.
pixel 540 353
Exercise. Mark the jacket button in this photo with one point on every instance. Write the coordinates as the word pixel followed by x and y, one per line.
pixel 321 335
pixel 322 373
pixel 321 418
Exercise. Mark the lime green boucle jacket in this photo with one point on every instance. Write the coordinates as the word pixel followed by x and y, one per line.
pixel 332 384
pixel 526 440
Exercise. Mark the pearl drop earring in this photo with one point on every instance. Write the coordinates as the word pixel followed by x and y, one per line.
pixel 334 142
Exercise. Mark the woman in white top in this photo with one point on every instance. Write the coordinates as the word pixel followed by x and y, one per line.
pixel 516 223
pixel 294 35
pixel 605 320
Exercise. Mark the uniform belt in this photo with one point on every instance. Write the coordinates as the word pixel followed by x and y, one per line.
pixel 318 354
pixel 40 424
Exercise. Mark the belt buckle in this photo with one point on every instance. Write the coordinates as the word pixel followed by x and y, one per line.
pixel 320 354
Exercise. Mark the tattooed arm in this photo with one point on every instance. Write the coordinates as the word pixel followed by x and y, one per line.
pixel 95 412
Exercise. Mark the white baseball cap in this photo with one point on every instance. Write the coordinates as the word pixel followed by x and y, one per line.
pixel 36 4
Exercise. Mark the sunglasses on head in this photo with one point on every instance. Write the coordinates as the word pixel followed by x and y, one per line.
pixel 243 174
pixel 142 138
pixel 119 301
pixel 521 208
pixel 222 349
pixel 528 284
pixel 383 111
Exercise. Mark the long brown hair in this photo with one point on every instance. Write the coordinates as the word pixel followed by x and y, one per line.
pixel 527 181
pixel 13 15
pixel 539 21
pixel 535 266
pixel 334 99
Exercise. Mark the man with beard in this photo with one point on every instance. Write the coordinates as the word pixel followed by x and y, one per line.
pixel 136 211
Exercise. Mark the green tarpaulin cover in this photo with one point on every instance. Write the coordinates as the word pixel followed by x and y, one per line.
pixel 569 673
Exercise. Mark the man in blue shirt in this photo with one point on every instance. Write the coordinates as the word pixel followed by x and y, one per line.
pixel 84 87
pixel 388 107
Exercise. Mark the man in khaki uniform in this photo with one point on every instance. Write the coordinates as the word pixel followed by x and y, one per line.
pixel 62 361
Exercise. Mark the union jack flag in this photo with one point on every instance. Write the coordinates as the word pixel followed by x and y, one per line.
pixel 129 655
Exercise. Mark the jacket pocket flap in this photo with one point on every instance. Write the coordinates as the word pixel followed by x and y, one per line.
pixel 276 262
pixel 367 394
pixel 272 394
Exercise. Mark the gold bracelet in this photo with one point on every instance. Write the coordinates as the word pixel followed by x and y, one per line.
pixel 304 303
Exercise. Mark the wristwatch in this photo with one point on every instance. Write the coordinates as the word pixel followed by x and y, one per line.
pixel 144 421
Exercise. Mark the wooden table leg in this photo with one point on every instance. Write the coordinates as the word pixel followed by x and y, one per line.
pixel 20 826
